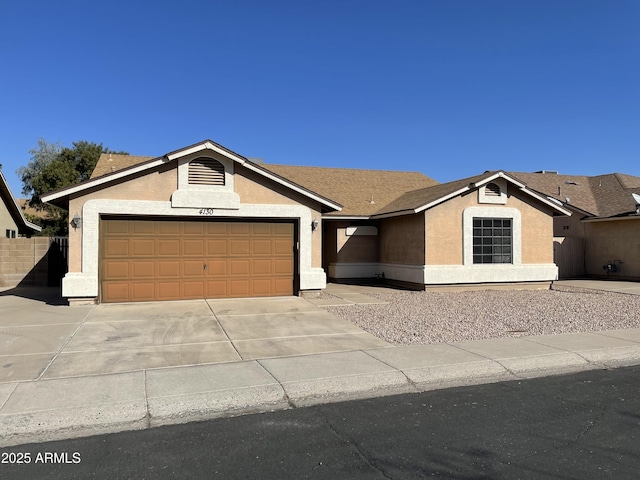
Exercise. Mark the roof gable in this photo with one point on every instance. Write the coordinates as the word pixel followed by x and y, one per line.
pixel 24 226
pixel 115 167
pixel 425 198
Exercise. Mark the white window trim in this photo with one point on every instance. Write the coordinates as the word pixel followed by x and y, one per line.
pixel 491 212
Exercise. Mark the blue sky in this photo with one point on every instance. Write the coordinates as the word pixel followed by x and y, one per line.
pixel 449 88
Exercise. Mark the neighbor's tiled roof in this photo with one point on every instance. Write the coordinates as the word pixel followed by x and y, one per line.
pixel 353 188
pixel 601 196
pixel 109 163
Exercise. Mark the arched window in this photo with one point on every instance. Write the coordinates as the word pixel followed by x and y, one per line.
pixel 206 171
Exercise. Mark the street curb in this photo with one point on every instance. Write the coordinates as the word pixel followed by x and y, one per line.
pixel 268 393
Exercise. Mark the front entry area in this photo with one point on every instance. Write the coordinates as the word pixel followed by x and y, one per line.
pixel 144 259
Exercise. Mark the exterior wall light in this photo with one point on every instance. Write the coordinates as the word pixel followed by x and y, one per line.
pixel 314 224
pixel 76 221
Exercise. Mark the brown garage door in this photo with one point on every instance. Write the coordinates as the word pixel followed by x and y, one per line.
pixel 143 260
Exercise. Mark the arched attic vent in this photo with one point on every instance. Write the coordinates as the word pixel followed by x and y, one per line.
pixel 206 171
pixel 492 190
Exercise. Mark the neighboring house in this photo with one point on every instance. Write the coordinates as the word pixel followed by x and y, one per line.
pixel 12 221
pixel 205 222
pixel 602 236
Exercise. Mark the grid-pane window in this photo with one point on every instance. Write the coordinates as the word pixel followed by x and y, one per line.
pixel 492 240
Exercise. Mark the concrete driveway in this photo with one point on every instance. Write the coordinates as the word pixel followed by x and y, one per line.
pixel 40 338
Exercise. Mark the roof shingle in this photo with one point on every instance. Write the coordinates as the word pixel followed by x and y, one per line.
pixel 601 195
pixel 360 192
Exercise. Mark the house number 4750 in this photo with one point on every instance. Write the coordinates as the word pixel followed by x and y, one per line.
pixel 206 211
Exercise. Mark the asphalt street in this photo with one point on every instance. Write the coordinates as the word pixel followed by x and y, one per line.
pixel 579 426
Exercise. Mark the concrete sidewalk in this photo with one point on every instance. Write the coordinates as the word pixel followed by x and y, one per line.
pixel 37 411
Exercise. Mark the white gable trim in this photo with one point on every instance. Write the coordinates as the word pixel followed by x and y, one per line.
pixel 207 145
pixel 103 179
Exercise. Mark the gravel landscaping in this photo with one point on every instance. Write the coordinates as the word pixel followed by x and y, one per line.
pixel 426 317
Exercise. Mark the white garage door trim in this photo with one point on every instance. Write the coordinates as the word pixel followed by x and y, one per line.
pixel 84 284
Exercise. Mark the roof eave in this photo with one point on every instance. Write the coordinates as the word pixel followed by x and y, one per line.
pixel 95 182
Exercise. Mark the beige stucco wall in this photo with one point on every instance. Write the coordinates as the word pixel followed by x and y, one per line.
pixel 402 240
pixel 355 248
pixel 160 185
pixel 6 220
pixel 569 226
pixel 613 240
pixel 445 237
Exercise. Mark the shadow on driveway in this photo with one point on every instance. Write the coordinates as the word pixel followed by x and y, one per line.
pixel 48 295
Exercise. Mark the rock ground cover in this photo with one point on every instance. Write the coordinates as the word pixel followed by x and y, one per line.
pixel 424 317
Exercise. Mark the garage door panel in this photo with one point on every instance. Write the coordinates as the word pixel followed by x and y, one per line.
pixel 217 229
pixel 240 288
pixel 283 229
pixel 143 291
pixel 216 267
pixel 193 248
pixel 282 286
pixel 143 269
pixel 282 266
pixel 261 287
pixel 282 246
pixel 217 289
pixel 168 228
pixel 169 291
pixel 261 266
pixel 242 229
pixel 116 248
pixel 261 247
pixel 168 247
pixel 115 292
pixel 143 260
pixel 194 228
pixel 216 248
pixel 142 228
pixel 261 229
pixel 114 270
pixel 117 227
pixel 168 268
pixel 193 289
pixel 143 247
pixel 240 247
pixel 239 267
pixel 193 268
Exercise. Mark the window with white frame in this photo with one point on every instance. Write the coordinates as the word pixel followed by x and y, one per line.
pixel 492 240
pixel 474 233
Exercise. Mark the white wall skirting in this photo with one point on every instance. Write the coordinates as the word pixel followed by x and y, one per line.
pixel 392 271
pixel 489 273
pixel 447 274
pixel 85 283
